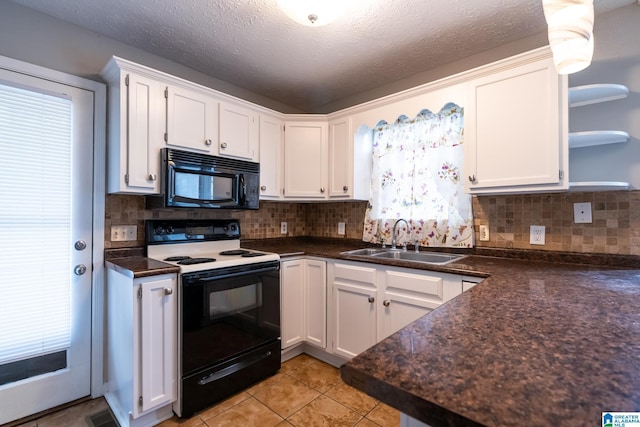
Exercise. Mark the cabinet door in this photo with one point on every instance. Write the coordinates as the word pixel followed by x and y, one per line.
pixel 192 119
pixel 158 333
pixel 270 157
pixel 406 295
pixel 305 160
pixel 515 129
pixel 354 309
pixel 292 302
pixel 238 132
pixel 340 159
pixel 316 302
pixel 144 132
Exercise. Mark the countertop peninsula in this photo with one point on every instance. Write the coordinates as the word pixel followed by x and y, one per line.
pixel 537 343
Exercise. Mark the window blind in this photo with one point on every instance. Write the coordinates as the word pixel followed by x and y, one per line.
pixel 35 223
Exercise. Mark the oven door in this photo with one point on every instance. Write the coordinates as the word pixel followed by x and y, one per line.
pixel 230 331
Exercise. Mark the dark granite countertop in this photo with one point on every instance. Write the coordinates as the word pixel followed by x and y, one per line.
pixel 537 343
pixel 140 266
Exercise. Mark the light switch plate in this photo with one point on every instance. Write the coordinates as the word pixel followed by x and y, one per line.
pixel 536 235
pixel 124 233
pixel 582 213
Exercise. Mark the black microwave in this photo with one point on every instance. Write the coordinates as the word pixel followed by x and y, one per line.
pixel 195 180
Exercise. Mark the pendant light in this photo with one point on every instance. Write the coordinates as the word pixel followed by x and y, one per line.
pixel 570 25
pixel 313 13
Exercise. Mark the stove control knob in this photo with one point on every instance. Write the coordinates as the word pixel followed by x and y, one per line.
pixel 170 230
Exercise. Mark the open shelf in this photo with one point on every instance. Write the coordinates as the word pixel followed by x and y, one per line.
pixel 598 186
pixel 597 137
pixel 593 94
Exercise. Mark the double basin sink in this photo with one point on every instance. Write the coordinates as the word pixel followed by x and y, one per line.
pixel 436 258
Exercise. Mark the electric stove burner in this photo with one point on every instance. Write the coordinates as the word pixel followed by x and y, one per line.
pixel 177 258
pixel 189 261
pixel 252 254
pixel 235 252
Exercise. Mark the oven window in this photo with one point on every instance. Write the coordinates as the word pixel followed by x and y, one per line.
pixel 236 300
pixel 189 185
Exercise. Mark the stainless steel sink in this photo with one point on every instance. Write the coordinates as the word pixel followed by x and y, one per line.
pixel 366 252
pixel 427 257
pixel 424 257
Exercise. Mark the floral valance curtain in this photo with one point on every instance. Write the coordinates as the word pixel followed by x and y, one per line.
pixel 416 176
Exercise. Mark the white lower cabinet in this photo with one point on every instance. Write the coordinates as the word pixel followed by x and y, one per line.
pixel 354 307
pixel 303 284
pixel 141 347
pixel 371 302
pixel 406 295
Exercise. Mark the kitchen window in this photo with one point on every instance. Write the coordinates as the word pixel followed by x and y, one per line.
pixel 416 176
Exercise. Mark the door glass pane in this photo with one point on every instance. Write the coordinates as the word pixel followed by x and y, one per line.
pixel 35 223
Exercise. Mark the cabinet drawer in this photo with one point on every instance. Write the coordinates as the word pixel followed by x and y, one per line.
pixel 355 273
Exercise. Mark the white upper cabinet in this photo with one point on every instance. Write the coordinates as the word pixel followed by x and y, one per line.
pixel 238 132
pixel 516 127
pixel 349 162
pixel 192 119
pixel 305 160
pixel 270 157
pixel 136 130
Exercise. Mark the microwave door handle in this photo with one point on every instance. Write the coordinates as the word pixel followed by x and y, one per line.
pixel 242 196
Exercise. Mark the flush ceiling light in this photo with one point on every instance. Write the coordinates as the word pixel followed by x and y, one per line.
pixel 570 33
pixel 313 13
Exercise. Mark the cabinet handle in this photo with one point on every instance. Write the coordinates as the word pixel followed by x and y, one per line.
pixel 386 303
pixel 372 300
pixel 472 178
pixel 322 189
pixel 345 188
pixel 152 177
pixel 168 291
pixel 223 145
pixel 263 187
pixel 208 142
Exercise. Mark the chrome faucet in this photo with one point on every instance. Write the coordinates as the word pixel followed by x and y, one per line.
pixel 394 237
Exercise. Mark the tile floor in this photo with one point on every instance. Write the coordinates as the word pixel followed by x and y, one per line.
pixel 305 393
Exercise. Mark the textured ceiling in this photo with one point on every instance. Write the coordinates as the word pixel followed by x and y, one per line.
pixel 254 45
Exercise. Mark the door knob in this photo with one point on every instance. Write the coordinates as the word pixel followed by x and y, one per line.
pixel 223 145
pixel 168 291
pixel 372 300
pixel 80 245
pixel 207 142
pixel 386 303
pixel 80 269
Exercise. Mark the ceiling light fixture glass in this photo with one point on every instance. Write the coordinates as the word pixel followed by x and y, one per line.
pixel 570 25
pixel 313 13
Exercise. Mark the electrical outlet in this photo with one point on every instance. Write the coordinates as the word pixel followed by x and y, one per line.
pixel 124 233
pixel 283 227
pixel 484 233
pixel 582 213
pixel 341 228
pixel 536 235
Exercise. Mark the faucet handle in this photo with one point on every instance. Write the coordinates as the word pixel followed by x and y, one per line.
pixel 381 239
pixel 416 246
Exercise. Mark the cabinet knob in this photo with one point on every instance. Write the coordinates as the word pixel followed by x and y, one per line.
pixel 223 145
pixel 263 187
pixel 168 291
pixel 386 303
pixel 208 142
pixel 152 177
pixel 472 178
pixel 345 188
pixel 372 300
pixel 322 189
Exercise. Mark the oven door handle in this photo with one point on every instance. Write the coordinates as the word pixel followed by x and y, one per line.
pixel 187 281
pixel 233 368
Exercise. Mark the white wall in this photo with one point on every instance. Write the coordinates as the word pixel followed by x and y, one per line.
pixel 616 60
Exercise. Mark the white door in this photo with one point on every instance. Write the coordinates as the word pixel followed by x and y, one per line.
pixel 46 181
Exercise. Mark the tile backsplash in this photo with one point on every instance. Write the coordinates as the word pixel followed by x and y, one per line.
pixel 615 228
